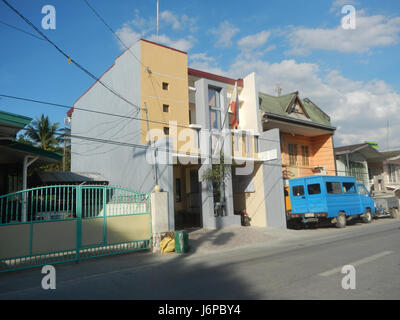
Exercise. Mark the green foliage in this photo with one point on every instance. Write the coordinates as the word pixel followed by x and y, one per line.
pixel 43 134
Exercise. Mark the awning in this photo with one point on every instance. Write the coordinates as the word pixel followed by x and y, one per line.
pixel 15 152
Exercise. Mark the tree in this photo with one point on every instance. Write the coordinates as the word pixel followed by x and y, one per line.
pixel 44 134
pixel 216 175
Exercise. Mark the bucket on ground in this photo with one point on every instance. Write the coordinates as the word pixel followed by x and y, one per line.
pixel 181 241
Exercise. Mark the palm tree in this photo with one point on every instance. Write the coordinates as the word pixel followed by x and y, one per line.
pixel 44 134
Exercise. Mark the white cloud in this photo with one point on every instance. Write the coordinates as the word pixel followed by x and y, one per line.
pixel 141 27
pixel 254 41
pixel 359 109
pixel 183 44
pixel 128 36
pixel 178 22
pixel 370 32
pixel 224 34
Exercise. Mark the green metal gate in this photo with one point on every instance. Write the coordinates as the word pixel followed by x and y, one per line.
pixel 56 224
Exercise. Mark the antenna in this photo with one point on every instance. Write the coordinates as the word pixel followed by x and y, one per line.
pixel 158 6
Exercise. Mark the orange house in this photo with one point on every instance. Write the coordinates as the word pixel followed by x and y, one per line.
pixel 306 134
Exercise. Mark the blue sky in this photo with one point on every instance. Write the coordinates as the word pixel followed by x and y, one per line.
pixel 298 44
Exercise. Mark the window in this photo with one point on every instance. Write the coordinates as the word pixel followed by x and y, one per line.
pixel 178 193
pixel 215 108
pixel 349 187
pixel 165 85
pixel 305 155
pixel 166 131
pixel 256 147
pixel 165 107
pixel 292 154
pixel 298 191
pixel 333 187
pixel 362 190
pixel 314 188
pixel 392 173
pixel 236 140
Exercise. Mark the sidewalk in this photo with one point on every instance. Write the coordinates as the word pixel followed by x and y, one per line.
pixel 210 240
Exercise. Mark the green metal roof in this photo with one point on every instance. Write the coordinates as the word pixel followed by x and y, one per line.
pixel 14 119
pixel 31 149
pixel 279 106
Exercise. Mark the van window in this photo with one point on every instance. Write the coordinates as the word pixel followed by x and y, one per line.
pixel 333 187
pixel 314 188
pixel 362 190
pixel 349 187
pixel 298 191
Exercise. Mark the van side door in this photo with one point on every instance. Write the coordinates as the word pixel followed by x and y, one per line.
pixel 316 199
pixel 298 196
pixel 365 198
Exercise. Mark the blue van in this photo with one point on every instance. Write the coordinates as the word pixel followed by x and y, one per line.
pixel 333 198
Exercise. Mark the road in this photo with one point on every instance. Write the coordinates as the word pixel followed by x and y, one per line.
pixel 307 266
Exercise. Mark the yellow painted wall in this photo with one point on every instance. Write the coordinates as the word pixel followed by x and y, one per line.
pixel 166 65
pixel 253 202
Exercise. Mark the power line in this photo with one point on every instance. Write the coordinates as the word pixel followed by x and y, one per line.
pixel 20 30
pixel 112 31
pixel 117 115
pixel 69 58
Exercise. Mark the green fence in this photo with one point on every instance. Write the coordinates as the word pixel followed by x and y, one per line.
pixel 56 224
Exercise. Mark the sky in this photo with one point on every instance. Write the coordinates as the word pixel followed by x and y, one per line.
pixel 298 45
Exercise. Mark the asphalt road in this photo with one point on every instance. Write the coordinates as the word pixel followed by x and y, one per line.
pixel 305 266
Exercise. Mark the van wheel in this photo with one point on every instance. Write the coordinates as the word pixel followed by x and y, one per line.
pixel 367 217
pixel 394 213
pixel 340 221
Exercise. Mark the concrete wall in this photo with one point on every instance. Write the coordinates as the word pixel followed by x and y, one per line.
pixel 125 166
pixel 273 180
pixel 203 119
pixel 320 150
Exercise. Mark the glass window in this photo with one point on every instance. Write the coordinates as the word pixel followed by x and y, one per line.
pixel 349 187
pixel 213 98
pixel 165 85
pixel 165 107
pixel 305 155
pixel 256 146
pixel 215 108
pixel 362 190
pixel 314 188
pixel 298 191
pixel 178 193
pixel 333 187
pixel 215 122
pixel 292 154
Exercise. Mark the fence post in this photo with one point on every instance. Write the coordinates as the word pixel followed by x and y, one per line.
pixel 104 215
pixel 78 220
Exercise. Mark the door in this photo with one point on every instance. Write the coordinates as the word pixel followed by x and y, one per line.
pixel 194 196
pixel 365 199
pixel 315 198
pixel 298 196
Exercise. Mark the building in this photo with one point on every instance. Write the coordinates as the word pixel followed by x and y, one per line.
pixel 176 123
pixel 389 169
pixel 305 134
pixel 16 157
pixel 358 160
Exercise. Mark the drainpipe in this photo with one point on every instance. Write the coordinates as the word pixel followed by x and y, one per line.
pixel 27 163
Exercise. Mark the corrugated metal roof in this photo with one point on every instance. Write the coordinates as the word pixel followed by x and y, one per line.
pixel 61 176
